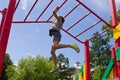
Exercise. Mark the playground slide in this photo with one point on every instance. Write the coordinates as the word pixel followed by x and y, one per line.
pixel 108 69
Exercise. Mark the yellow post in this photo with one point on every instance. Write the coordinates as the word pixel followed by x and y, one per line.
pixel 116 32
pixel 111 74
pixel 84 71
pixel 80 76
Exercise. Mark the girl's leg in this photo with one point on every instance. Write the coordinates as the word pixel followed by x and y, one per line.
pixel 56 45
pixel 54 56
pixel 73 46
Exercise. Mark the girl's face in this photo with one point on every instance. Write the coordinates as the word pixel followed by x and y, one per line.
pixel 60 19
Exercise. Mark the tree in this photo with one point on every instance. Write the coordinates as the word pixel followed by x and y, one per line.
pixel 118 14
pixel 65 71
pixel 100 51
pixel 36 68
pixel 98 72
pixel 7 62
pixel 100 54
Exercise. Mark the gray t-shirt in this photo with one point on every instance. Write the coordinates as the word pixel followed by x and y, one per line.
pixel 57 25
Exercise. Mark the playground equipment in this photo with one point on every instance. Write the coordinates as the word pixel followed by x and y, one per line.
pixel 7 20
pixel 82 73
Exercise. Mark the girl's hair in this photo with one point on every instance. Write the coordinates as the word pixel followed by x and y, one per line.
pixel 63 20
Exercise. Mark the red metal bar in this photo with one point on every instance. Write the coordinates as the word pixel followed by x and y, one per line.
pixel 93 12
pixel 71 10
pixel 100 33
pixel 2 21
pixel 87 60
pixel 88 28
pixel 114 24
pixel 44 10
pixel 32 22
pixel 117 43
pixel 72 36
pixel 5 32
pixel 113 13
pixel 31 10
pixel 114 20
pixel 3 18
pixel 17 4
pixel 79 20
pixel 1 30
pixel 60 7
pixel 0 11
pixel 115 69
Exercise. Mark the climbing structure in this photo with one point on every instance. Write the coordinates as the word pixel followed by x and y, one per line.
pixel 7 20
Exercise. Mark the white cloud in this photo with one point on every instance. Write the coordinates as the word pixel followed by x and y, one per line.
pixel 30 54
pixel 37 30
pixel 104 4
pixel 24 4
pixel 118 1
pixel 118 4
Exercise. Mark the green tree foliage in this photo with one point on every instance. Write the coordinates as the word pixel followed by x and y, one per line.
pixel 100 54
pixel 7 62
pixel 100 51
pixel 118 14
pixel 65 71
pixel 36 68
pixel 98 73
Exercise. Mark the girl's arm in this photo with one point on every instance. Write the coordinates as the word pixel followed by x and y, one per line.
pixel 55 13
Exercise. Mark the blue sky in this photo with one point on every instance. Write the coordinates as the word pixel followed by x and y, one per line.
pixel 33 39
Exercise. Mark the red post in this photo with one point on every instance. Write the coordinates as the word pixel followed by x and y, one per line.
pixel 115 69
pixel 117 42
pixel 87 59
pixel 114 24
pixel 3 18
pixel 113 13
pixel 5 31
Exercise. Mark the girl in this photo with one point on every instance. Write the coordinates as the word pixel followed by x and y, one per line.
pixel 56 37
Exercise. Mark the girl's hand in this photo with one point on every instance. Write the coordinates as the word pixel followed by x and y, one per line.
pixel 56 9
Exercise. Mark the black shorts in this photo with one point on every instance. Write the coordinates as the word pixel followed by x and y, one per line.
pixel 56 36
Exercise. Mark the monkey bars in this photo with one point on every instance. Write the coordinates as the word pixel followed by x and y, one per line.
pixel 78 3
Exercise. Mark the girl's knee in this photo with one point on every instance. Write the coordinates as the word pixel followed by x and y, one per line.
pixel 52 50
pixel 54 47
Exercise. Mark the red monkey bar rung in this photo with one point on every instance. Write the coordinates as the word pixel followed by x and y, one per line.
pixel 31 10
pixel 60 7
pixel 72 36
pixel 71 10
pixel 100 33
pixel 44 10
pixel 88 28
pixel 93 12
pixel 0 11
pixel 79 20
pixel 32 22
pixel 17 4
